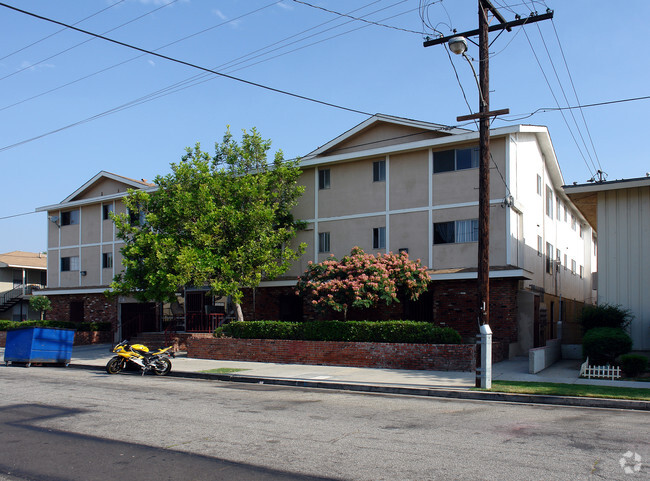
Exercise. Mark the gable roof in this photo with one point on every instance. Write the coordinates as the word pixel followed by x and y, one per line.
pixel 74 198
pixel 20 259
pixel 389 119
pixel 136 184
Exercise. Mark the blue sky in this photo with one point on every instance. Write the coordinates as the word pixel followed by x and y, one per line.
pixel 346 62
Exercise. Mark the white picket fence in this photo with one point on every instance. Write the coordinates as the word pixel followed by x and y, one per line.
pixel 606 372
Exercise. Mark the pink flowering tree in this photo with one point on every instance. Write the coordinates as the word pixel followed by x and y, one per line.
pixel 362 280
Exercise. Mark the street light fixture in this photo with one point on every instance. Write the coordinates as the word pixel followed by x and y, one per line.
pixel 458 45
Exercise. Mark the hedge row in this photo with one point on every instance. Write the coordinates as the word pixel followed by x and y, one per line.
pixel 79 326
pixel 356 331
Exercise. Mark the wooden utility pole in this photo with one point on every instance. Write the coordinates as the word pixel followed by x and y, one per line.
pixel 485 7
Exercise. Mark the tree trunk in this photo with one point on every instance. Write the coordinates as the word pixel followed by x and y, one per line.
pixel 240 314
pixel 42 315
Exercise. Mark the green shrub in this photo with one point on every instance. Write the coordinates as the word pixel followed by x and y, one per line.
pixel 633 364
pixel 604 344
pixel 356 331
pixel 604 315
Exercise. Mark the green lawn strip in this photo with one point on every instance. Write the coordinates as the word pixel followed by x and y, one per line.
pixel 223 370
pixel 577 390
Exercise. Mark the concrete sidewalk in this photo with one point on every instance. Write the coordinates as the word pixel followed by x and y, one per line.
pixel 391 381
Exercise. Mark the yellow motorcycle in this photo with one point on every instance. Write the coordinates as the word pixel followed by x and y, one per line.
pixel 139 355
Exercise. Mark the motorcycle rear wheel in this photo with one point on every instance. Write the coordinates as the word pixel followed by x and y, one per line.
pixel 115 365
pixel 162 367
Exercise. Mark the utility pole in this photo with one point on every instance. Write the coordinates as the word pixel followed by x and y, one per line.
pixel 458 44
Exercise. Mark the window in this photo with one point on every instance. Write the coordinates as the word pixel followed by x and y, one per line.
pixel 323 242
pixel 558 259
pixel 403 249
pixel 566 263
pixel 565 214
pixel 573 266
pixel 593 241
pixel 137 217
pixel 539 185
pixel 70 218
pixel 455 231
pixel 106 211
pixel 379 238
pixel 582 231
pixel 540 245
pixel 324 179
pixel 573 222
pixel 548 258
pixel 69 263
pixel 549 202
pixel 379 171
pixel 458 159
pixel 107 260
pixel 582 272
pixel 558 208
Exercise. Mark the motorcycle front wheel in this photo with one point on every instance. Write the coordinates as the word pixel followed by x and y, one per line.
pixel 115 365
pixel 162 367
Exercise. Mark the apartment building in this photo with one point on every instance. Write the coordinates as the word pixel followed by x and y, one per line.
pixel 392 184
pixel 387 185
pixel 84 253
pixel 21 274
pixel 620 210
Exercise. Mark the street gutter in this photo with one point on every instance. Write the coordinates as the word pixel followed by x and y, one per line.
pixel 604 403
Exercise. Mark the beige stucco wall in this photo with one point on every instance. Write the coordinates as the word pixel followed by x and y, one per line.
pixel 103 188
pixel 91 218
pixel 409 174
pixel 381 135
pixel 90 263
pixel 305 208
pixel 69 233
pixel 344 235
pixel 352 190
pixel 410 231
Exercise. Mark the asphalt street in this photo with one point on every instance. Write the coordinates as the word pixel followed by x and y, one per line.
pixel 63 424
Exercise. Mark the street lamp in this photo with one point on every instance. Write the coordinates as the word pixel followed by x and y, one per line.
pixel 458 45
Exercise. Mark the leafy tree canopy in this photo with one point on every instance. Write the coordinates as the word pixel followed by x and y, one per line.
pixel 362 280
pixel 222 221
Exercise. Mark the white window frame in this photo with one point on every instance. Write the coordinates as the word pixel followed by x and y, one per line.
pixel 379 171
pixel 379 238
pixel 324 179
pixel 324 242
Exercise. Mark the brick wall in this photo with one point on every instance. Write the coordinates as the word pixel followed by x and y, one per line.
pixel 455 304
pixel 97 308
pixel 439 357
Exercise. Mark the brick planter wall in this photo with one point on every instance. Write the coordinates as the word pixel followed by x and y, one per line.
pixel 97 308
pixel 439 357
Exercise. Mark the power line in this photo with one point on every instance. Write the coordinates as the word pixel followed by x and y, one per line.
pixel 188 64
pixel 359 19
pixel 557 103
pixel 576 94
pixel 61 30
pixel 77 29
pixel 136 57
pixel 17 215
pixel 584 106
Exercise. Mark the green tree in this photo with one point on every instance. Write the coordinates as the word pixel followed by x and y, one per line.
pixel 41 304
pixel 362 280
pixel 223 221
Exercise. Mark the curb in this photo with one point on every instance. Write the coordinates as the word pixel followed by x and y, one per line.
pixel 603 403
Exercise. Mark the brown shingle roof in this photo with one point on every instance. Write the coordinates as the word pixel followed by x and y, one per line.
pixel 32 260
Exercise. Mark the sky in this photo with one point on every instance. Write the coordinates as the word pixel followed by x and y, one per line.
pixel 72 105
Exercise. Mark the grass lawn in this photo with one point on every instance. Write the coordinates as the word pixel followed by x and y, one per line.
pixel 579 390
pixel 223 370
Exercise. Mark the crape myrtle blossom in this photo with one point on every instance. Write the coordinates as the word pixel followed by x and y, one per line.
pixel 362 280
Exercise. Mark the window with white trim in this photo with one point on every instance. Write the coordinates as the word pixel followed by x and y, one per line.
pixel 323 242
pixel 106 211
pixel 573 266
pixel 107 260
pixel 549 202
pixel 455 232
pixel 379 171
pixel 573 222
pixel 379 238
pixel 549 258
pixel 539 185
pixel 558 207
pixel 323 179
pixel 540 246
pixel 70 263
pixel 456 159
pixel 582 272
pixel 70 217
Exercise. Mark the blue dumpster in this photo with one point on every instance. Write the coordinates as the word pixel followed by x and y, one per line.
pixel 39 344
